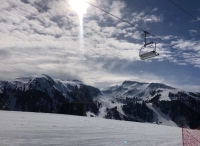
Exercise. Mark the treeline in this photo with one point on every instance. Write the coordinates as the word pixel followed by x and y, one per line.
pixel 80 109
pixel 31 100
pixel 113 113
pixel 139 111
pixel 72 109
pixel 37 101
pixel 180 113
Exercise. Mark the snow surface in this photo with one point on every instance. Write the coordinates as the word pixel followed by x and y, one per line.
pixel 34 129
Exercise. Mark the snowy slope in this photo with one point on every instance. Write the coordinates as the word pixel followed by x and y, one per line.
pixel 161 117
pixel 34 129
pixel 109 102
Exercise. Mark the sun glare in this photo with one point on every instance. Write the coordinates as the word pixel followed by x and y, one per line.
pixel 79 6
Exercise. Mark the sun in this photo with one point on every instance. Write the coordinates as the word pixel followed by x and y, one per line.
pixel 79 6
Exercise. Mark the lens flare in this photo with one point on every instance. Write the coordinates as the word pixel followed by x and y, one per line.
pixel 80 7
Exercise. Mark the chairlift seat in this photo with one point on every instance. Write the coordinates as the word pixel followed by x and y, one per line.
pixel 151 54
pixel 148 55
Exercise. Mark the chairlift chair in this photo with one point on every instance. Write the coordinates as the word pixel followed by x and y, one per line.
pixel 150 54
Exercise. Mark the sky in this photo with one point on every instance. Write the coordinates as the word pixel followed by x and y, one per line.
pixel 52 37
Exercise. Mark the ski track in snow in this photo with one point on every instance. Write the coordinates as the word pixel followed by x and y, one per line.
pixel 35 129
pixel 161 117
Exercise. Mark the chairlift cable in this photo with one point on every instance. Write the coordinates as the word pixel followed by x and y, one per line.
pixel 184 11
pixel 115 16
pixel 139 27
pixel 126 22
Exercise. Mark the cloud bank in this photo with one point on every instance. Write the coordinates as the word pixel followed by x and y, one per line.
pixel 40 36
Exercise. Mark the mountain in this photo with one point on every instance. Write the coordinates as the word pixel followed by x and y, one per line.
pixel 44 94
pixel 130 91
pixel 170 106
pixel 141 91
pixel 130 101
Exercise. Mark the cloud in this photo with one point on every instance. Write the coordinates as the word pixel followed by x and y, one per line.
pixel 4 54
pixel 187 44
pixel 122 25
pixel 43 37
pixel 188 50
pixel 146 18
pixel 152 18
pixel 116 7
pixel 168 38
pixel 171 24
pixel 154 10
pixel 193 32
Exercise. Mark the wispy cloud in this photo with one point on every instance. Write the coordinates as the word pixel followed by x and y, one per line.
pixel 43 37
pixel 152 18
pixel 193 32
pixel 154 10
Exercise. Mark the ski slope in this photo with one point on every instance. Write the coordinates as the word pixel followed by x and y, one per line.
pixel 35 129
pixel 166 120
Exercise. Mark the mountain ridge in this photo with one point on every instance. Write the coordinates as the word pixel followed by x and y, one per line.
pixel 130 101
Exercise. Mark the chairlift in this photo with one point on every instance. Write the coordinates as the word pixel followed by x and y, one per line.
pixel 150 54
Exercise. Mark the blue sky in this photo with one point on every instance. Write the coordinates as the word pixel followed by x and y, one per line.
pixel 45 37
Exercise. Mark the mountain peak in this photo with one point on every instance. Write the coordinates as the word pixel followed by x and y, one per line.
pixel 132 82
pixel 26 79
pixel 48 78
pixel 77 81
pixel 159 85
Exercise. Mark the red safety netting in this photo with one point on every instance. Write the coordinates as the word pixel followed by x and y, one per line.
pixel 191 137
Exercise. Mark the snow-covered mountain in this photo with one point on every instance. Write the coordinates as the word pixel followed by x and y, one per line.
pixel 146 91
pixel 130 101
pixel 170 106
pixel 43 93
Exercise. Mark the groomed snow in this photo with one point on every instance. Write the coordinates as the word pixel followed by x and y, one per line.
pixel 35 129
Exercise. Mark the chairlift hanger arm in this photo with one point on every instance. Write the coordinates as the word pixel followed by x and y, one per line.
pixel 146 44
pixel 145 39
pixel 145 36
